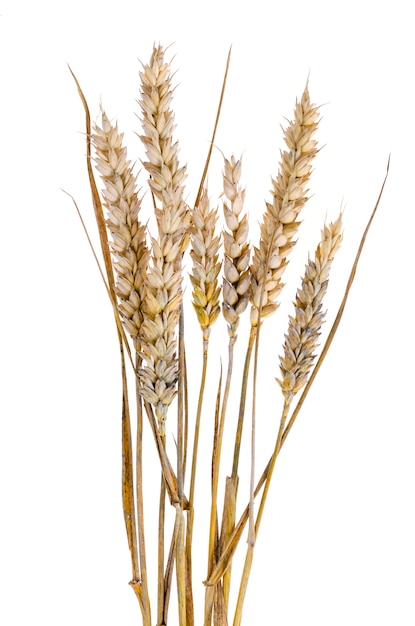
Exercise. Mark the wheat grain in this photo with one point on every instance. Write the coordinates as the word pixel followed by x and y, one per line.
pixel 280 223
pixel 237 279
pixel 128 243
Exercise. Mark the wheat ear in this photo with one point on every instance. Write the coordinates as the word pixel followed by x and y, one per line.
pixel 128 244
pixel 280 222
pixel 236 279
pixel 301 339
pixel 161 307
pixel 204 252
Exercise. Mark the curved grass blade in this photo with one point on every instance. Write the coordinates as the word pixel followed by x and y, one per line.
pixel 127 450
pixel 212 141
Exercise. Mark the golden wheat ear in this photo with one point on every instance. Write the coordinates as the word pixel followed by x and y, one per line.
pixel 204 251
pixel 304 326
pixel 128 245
pixel 236 272
pixel 280 222
pixel 163 282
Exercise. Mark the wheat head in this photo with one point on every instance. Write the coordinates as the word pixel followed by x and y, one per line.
pixel 163 285
pixel 204 253
pixel 128 244
pixel 280 221
pixel 237 278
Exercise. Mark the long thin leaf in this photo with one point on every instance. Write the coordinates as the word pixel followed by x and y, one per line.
pixel 127 451
pixel 212 141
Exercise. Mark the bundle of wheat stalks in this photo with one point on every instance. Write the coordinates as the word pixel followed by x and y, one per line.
pixel 145 282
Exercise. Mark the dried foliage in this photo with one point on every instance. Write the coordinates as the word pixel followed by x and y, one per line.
pixel 147 296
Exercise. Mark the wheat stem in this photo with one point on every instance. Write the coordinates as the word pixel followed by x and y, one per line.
pixel 229 508
pixel 190 515
pixel 242 402
pixel 180 566
pixel 140 508
pixel 161 589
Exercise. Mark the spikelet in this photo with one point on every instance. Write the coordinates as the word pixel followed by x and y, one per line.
pixel 289 194
pixel 204 252
pixel 237 279
pixel 304 328
pixel 128 244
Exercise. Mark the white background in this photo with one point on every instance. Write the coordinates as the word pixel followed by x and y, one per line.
pixel 337 542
